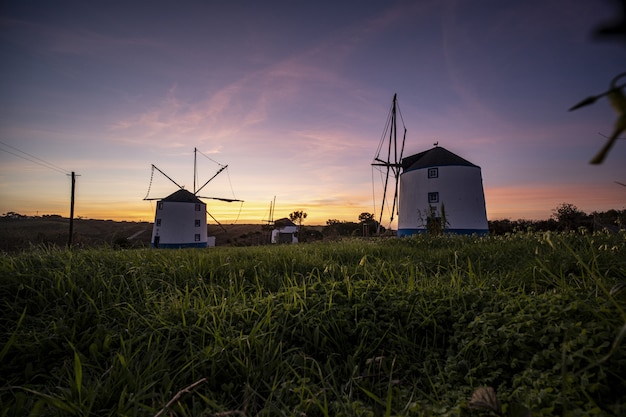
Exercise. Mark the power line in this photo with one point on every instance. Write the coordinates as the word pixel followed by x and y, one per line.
pixel 34 159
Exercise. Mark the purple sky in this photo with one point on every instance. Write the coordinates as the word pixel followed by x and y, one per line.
pixel 294 96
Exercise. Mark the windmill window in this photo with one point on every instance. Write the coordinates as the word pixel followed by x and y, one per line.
pixel 433 197
pixel 197 207
pixel 197 237
pixel 159 205
pixel 433 172
pixel 158 222
pixel 197 222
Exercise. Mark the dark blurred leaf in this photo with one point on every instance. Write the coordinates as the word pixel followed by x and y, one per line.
pixel 585 102
pixel 518 410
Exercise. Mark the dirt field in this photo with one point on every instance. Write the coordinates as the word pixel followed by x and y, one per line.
pixel 22 233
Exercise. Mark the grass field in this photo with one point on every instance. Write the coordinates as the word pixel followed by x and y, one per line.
pixel 420 326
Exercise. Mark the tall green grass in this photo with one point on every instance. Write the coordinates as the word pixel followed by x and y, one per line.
pixel 355 328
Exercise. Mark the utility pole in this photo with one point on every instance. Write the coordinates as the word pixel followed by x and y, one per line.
pixel 69 241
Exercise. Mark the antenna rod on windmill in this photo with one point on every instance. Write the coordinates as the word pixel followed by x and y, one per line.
pixel 395 151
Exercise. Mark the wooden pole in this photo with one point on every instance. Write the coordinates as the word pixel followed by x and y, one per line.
pixel 69 241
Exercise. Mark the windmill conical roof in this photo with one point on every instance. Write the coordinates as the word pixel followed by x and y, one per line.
pixel 182 196
pixel 434 157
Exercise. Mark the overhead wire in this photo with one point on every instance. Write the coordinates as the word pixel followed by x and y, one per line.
pixel 34 159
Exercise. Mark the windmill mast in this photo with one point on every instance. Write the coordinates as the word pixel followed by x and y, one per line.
pixel 393 166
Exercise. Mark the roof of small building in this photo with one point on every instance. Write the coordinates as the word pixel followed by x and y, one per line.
pixel 434 157
pixel 284 222
pixel 182 196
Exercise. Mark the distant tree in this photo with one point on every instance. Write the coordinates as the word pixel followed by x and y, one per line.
pixel 566 215
pixel 366 217
pixel 368 223
pixel 336 228
pixel 13 215
pixel 611 219
pixel 501 227
pixel 569 217
pixel 298 217
pixel 332 227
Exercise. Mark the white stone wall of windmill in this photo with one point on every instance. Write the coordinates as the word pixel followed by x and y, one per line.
pixel 439 178
pixel 180 222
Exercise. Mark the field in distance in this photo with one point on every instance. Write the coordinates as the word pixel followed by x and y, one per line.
pixel 24 232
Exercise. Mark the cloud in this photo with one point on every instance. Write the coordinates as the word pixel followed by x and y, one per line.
pixel 248 105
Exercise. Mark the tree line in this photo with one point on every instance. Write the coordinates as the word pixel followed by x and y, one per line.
pixel 565 217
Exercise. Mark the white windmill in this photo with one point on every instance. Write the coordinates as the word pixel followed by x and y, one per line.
pixel 426 182
pixel 180 218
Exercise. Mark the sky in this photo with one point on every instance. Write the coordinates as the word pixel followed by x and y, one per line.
pixel 293 97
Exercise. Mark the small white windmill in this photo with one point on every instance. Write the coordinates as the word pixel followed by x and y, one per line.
pixel 180 218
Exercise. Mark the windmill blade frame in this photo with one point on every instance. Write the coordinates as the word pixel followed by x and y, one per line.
pixel 393 160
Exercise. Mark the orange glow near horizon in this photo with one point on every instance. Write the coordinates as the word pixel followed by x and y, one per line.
pixel 521 202
pixel 538 202
pixel 248 213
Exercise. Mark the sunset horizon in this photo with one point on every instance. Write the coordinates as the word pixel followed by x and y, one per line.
pixel 294 99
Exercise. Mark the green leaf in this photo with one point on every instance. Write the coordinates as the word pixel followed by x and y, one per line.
pixel 11 341
pixel 78 373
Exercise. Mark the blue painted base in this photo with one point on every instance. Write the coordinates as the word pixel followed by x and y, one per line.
pixel 181 245
pixel 409 232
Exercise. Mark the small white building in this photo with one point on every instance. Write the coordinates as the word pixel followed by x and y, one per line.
pixel 285 231
pixel 180 222
pixel 435 177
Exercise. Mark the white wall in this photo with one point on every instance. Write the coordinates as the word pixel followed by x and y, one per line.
pixel 293 230
pixel 178 223
pixel 460 189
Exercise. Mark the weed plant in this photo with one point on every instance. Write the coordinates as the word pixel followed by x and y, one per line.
pixel 389 327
